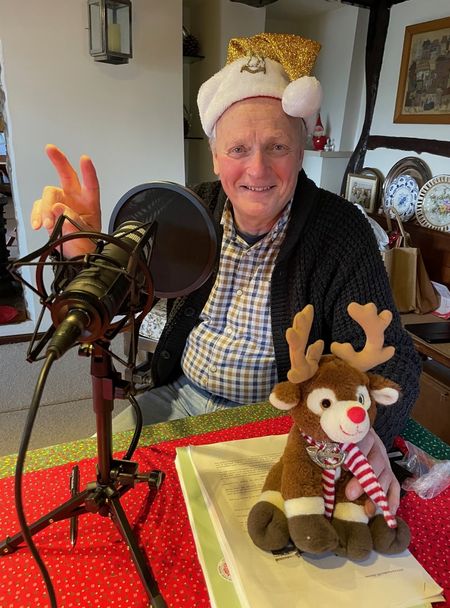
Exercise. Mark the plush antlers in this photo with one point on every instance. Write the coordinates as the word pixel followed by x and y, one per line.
pixel 373 325
pixel 304 366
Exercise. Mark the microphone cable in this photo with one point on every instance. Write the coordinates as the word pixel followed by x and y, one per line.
pixel 25 440
pixel 137 428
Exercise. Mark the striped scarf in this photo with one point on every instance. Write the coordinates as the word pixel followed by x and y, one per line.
pixel 330 457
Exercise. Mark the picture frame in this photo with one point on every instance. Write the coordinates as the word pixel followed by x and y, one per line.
pixel 362 190
pixel 422 95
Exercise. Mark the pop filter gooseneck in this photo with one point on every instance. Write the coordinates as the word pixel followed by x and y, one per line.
pixel 185 241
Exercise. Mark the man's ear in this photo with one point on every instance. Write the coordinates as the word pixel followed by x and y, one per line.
pixel 215 163
pixel 300 160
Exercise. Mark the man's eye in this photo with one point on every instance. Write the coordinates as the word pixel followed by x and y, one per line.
pixel 279 148
pixel 237 150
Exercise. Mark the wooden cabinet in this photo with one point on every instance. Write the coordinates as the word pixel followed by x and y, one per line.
pixel 432 409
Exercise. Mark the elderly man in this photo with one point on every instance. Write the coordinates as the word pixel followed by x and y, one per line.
pixel 284 243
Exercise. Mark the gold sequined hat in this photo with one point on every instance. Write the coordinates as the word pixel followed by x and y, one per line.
pixel 265 65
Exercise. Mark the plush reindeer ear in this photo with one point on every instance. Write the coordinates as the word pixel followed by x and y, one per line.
pixel 285 396
pixel 383 390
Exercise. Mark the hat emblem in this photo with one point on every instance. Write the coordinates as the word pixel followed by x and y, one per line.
pixel 255 64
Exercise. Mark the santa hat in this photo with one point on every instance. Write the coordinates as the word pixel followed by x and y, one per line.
pixel 265 65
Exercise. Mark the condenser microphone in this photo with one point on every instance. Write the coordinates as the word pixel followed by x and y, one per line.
pixel 85 308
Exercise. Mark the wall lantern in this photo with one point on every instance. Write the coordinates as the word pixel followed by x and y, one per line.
pixel 110 30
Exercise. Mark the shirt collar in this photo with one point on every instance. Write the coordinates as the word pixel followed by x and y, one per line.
pixel 227 221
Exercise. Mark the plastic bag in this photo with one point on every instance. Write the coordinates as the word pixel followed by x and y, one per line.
pixel 430 476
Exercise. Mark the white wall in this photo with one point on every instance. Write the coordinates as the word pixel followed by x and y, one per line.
pixel 127 117
pixel 402 15
pixel 214 22
pixel 340 64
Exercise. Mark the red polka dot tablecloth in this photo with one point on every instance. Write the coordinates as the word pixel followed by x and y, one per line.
pixel 98 571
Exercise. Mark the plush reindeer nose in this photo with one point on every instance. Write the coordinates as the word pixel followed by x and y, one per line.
pixel 356 414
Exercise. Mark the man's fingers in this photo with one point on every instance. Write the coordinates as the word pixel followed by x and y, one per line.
pixel 36 221
pixel 89 174
pixel 67 175
pixel 369 508
pixel 43 212
pixel 391 488
pixel 353 489
pixel 90 192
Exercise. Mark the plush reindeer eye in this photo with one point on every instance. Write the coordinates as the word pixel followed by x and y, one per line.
pixel 363 397
pixel 320 400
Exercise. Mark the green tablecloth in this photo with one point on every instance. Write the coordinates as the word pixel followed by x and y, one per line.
pixel 176 429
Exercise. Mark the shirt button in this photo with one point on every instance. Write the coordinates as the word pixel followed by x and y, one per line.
pixel 239 292
pixel 229 331
pixel 213 368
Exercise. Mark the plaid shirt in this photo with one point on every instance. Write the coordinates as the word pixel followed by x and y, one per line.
pixel 230 353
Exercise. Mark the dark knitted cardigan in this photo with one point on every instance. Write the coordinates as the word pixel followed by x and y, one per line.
pixel 329 258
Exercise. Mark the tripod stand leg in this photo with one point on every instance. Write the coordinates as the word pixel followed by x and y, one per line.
pixel 74 506
pixel 144 571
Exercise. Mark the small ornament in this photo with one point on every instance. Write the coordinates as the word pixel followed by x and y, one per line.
pixel 329 146
pixel 319 139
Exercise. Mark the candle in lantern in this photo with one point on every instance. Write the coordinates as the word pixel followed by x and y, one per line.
pixel 114 41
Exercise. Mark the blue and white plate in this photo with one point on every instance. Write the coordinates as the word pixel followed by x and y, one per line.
pixel 402 196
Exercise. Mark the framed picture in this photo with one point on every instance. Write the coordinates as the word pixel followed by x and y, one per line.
pixel 363 190
pixel 423 94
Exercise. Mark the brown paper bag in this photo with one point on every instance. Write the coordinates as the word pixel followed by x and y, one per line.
pixel 408 277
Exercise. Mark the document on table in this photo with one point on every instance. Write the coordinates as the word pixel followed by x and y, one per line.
pixel 220 483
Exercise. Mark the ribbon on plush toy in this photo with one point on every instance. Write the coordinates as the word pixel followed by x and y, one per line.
pixel 330 456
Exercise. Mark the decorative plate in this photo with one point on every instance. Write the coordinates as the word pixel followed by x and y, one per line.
pixel 402 196
pixel 433 203
pixel 410 165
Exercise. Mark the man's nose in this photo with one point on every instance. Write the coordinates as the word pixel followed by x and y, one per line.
pixel 258 163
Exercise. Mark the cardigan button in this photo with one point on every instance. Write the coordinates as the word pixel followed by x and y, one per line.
pixel 165 354
pixel 189 312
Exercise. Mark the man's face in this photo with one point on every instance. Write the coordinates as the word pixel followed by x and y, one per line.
pixel 257 154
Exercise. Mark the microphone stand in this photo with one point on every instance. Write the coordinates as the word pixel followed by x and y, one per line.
pixel 114 477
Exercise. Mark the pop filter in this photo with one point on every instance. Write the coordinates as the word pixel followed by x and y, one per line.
pixel 186 241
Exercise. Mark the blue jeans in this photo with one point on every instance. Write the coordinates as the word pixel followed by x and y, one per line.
pixel 169 402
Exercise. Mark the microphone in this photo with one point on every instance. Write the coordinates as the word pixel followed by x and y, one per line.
pixel 113 283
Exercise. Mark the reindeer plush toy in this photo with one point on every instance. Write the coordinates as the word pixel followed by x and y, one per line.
pixel 332 400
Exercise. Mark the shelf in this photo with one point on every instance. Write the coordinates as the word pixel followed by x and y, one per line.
pixel 192 58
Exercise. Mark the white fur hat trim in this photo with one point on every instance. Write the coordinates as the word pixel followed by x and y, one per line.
pixel 300 98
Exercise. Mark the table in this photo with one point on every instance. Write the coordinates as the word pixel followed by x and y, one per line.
pixel 99 567
pixel 432 408
pixel 437 352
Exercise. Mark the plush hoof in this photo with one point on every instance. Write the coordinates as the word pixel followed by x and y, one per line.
pixel 355 540
pixel 267 526
pixel 389 540
pixel 312 533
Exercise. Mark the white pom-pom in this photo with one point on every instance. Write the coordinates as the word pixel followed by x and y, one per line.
pixel 302 97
